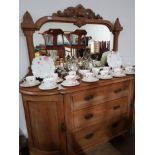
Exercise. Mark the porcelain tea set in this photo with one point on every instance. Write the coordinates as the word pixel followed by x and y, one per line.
pixel 43 67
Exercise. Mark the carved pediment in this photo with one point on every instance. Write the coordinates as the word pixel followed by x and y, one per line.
pixel 77 12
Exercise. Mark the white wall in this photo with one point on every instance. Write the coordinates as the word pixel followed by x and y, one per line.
pixel 108 9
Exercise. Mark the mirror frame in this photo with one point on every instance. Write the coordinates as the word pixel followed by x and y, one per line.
pixel 78 15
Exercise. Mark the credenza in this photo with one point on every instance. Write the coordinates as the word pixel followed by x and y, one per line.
pixel 76 119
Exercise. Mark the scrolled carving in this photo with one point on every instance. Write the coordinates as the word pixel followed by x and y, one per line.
pixel 77 12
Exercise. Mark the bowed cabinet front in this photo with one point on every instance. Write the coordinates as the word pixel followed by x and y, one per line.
pixel 45 121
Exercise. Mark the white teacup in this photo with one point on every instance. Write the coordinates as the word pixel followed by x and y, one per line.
pixel 48 82
pixel 54 76
pixel 71 78
pixel 106 68
pixel 129 68
pixel 118 70
pixel 104 72
pixel 89 75
pixel 96 70
pixel 72 73
pixel 84 71
pixel 30 79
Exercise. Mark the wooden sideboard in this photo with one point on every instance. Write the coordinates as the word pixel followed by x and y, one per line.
pixel 76 119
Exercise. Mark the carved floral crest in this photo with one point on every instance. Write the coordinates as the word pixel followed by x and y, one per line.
pixel 77 12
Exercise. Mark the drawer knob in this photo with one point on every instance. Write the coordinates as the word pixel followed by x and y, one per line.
pixel 90 135
pixel 114 125
pixel 118 90
pixel 116 107
pixel 88 98
pixel 88 116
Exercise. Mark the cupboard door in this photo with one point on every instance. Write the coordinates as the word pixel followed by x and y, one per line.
pixel 45 121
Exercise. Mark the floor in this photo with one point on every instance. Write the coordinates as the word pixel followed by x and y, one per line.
pixel 122 145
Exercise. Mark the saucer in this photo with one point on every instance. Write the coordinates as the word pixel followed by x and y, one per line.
pixel 43 87
pixel 104 77
pixel 129 72
pixel 119 75
pixel 27 84
pixel 77 77
pixel 67 84
pixel 90 80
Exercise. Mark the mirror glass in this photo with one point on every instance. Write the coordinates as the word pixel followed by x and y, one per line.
pixel 99 37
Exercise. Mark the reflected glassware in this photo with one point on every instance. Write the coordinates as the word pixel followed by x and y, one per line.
pixel 86 61
pixel 73 64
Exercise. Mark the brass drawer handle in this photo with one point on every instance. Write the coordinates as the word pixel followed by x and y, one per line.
pixel 118 90
pixel 114 125
pixel 88 116
pixel 88 98
pixel 88 136
pixel 116 107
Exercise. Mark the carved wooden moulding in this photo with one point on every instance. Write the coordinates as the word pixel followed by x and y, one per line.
pixel 77 12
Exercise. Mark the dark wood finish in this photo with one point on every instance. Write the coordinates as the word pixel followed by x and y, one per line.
pixel 116 32
pixel 75 120
pixel 77 15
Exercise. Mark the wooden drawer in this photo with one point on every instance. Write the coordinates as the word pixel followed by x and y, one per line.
pixel 100 133
pixel 92 97
pixel 100 113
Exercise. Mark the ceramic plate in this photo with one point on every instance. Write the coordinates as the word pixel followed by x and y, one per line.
pixel 27 84
pixel 42 66
pixel 104 77
pixel 90 80
pixel 43 87
pixel 66 84
pixel 114 59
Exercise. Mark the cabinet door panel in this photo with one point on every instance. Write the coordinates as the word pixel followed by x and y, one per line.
pixel 44 119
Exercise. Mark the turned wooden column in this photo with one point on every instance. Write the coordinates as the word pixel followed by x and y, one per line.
pixel 116 31
pixel 28 28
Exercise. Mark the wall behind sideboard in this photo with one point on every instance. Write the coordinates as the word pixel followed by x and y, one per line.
pixel 108 9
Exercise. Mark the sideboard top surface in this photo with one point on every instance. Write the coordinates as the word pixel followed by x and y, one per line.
pixel 83 85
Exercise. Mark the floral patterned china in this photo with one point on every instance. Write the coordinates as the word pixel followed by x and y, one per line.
pixel 42 67
pixel 30 81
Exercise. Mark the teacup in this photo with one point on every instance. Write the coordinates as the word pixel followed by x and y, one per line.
pixel 71 78
pixel 54 76
pixel 89 75
pixel 106 68
pixel 48 82
pixel 30 79
pixel 129 68
pixel 104 72
pixel 96 70
pixel 72 73
pixel 118 70
pixel 84 71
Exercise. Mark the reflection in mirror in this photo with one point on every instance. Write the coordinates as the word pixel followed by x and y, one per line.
pixel 72 40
